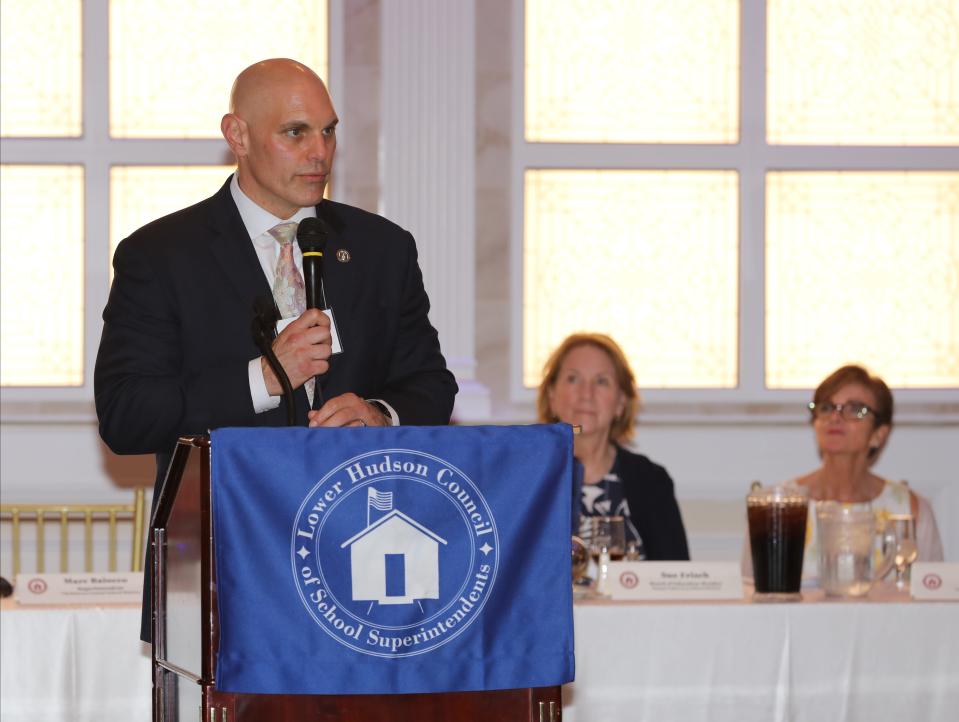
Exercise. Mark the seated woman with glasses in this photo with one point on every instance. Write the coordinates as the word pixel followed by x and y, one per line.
pixel 851 416
pixel 587 382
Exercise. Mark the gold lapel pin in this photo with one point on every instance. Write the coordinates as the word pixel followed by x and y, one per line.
pixel 342 255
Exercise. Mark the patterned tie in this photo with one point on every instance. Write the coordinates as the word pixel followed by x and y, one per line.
pixel 288 289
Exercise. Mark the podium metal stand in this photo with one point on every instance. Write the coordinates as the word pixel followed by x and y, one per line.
pixel 186 633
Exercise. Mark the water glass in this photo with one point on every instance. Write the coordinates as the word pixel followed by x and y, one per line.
pixel 903 528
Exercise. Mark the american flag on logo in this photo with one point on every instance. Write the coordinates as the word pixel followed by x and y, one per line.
pixel 379 500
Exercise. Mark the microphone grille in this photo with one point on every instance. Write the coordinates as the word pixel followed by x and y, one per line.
pixel 311 235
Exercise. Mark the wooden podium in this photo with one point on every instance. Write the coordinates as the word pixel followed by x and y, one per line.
pixel 186 633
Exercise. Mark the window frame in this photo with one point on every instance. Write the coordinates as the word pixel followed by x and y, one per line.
pixel 752 157
pixel 97 152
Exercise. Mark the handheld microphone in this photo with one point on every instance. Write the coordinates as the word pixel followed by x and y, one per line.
pixel 311 235
pixel 263 329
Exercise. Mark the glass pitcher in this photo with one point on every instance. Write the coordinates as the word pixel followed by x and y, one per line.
pixel 848 560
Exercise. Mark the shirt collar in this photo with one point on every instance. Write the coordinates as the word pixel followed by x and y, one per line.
pixel 258 220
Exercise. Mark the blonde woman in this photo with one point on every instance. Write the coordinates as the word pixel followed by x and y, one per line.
pixel 587 382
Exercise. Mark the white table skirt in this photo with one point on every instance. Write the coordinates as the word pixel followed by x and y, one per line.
pixel 74 664
pixel 815 661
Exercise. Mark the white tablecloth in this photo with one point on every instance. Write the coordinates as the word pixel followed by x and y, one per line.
pixel 76 664
pixel 870 661
pixel 815 661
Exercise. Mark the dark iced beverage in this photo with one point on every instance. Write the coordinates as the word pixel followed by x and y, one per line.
pixel 777 538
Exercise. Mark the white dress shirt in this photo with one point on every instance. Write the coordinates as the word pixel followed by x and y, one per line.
pixel 258 222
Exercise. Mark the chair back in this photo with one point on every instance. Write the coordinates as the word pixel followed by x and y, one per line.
pixel 67 516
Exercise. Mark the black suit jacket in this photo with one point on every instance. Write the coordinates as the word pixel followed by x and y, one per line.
pixel 176 344
pixel 176 341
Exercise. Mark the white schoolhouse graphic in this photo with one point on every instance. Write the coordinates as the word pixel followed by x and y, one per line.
pixel 395 559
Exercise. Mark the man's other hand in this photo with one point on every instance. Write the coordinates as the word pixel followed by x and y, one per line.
pixel 347 410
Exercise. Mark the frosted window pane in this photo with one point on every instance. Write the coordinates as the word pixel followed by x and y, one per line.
pixel 657 71
pixel 41 303
pixel 862 72
pixel 172 63
pixel 140 194
pixel 862 267
pixel 650 257
pixel 40 68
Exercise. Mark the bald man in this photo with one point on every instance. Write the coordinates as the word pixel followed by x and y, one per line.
pixel 177 356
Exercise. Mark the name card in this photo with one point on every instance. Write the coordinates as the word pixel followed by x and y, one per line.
pixel 674 580
pixel 81 588
pixel 934 581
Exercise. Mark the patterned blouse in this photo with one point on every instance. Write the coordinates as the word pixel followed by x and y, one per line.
pixel 607 498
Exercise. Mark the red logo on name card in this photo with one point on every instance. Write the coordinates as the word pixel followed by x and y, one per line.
pixel 932 581
pixel 37 586
pixel 628 579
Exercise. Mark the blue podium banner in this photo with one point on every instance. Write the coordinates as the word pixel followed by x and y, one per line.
pixel 396 560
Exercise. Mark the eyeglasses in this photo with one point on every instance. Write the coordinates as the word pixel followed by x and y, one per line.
pixel 850 411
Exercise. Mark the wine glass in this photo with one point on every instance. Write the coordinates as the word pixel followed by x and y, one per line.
pixel 904 528
pixel 609 533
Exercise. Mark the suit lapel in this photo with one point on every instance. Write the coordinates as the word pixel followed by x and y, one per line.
pixel 340 281
pixel 232 247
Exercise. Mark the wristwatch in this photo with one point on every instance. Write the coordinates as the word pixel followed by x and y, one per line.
pixel 381 407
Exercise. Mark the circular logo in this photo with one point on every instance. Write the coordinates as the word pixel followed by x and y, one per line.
pixel 628 579
pixel 394 552
pixel 932 581
pixel 37 586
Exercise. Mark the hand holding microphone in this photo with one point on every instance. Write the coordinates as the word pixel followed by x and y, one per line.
pixel 303 348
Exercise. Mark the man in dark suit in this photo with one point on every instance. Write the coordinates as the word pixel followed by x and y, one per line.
pixel 177 356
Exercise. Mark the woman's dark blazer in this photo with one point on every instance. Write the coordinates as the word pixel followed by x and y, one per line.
pixel 653 507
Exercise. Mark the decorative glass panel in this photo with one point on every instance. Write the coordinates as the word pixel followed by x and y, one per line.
pixel 41 303
pixel 140 194
pixel 649 257
pixel 40 68
pixel 862 72
pixel 862 268
pixel 620 71
pixel 172 64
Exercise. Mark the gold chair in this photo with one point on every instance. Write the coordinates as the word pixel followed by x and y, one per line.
pixel 111 514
